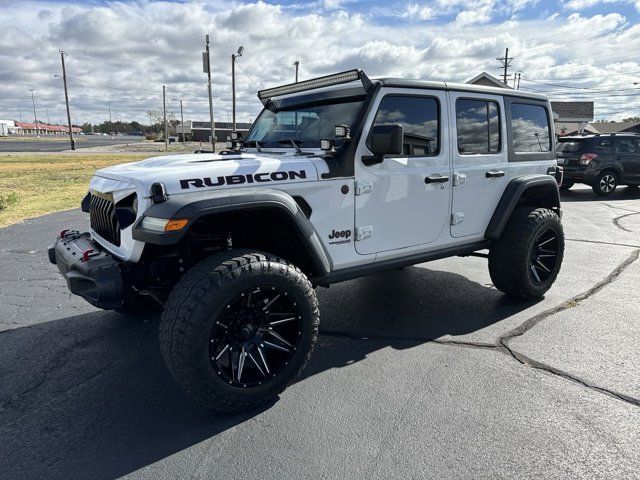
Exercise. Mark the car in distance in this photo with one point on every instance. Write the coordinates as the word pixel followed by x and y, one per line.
pixel 339 177
pixel 602 161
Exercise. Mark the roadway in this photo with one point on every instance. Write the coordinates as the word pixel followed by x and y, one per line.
pixel 61 143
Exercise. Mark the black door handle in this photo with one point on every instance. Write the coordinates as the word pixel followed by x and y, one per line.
pixel 436 179
pixel 494 174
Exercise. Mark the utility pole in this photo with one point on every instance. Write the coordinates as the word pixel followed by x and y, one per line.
pixel 35 117
pixel 181 121
pixel 66 99
pixel 506 63
pixel 150 121
pixel 206 63
pixel 296 64
pixel 518 88
pixel 164 110
pixel 233 83
pixel 110 122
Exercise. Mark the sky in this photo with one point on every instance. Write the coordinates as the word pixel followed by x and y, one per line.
pixel 120 53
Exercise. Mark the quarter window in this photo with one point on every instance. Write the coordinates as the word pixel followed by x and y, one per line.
pixel 627 145
pixel 420 118
pixel 478 125
pixel 530 128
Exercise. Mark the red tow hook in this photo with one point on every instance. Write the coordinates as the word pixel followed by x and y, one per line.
pixel 68 233
pixel 63 233
pixel 87 254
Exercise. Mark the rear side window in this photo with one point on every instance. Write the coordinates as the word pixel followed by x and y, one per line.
pixel 478 125
pixel 420 118
pixel 569 147
pixel 627 145
pixel 603 144
pixel 530 127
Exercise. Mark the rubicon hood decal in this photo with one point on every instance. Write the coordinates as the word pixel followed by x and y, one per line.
pixel 278 176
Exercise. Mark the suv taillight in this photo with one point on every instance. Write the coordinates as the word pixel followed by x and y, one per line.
pixel 585 158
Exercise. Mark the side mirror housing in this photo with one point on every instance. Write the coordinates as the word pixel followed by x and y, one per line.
pixel 384 140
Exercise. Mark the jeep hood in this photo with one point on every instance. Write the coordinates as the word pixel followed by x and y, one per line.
pixel 200 172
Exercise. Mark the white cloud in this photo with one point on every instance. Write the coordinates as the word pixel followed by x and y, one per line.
pixel 124 52
pixel 419 12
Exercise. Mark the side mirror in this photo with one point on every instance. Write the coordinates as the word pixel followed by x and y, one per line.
pixel 384 140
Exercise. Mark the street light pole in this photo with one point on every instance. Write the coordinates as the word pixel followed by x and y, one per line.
pixel 296 64
pixel 206 57
pixel 164 109
pixel 35 117
pixel 233 83
pixel 66 99
pixel 181 121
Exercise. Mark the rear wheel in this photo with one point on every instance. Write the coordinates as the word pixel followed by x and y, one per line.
pixel 525 261
pixel 606 183
pixel 238 329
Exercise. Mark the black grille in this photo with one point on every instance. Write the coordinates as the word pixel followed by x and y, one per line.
pixel 102 214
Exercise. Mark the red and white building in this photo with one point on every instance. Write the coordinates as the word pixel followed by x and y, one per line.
pixel 42 128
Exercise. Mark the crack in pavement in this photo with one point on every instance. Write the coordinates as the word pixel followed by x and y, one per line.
pixel 602 243
pixel 619 208
pixel 616 221
pixel 502 343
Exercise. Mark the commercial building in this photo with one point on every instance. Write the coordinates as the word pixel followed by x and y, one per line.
pixel 201 131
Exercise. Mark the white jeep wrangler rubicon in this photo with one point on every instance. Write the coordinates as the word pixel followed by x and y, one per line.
pixel 339 177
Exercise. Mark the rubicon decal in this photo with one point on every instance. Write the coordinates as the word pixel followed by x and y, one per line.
pixel 240 179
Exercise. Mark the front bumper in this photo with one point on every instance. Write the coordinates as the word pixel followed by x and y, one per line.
pixel 89 271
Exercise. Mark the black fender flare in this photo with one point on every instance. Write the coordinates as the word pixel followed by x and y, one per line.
pixel 543 190
pixel 196 205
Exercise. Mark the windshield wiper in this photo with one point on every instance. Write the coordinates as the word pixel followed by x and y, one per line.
pixel 295 143
pixel 255 142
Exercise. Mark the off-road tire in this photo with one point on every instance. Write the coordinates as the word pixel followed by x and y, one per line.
pixel 198 300
pixel 606 183
pixel 510 257
pixel 566 185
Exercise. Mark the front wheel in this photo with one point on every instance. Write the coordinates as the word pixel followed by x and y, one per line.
pixel 566 185
pixel 525 261
pixel 605 184
pixel 238 329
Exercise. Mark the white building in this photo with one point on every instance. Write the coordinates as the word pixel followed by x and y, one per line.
pixel 5 126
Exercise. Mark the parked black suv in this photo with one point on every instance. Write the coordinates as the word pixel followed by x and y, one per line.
pixel 602 161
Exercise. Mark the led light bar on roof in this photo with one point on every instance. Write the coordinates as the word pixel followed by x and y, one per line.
pixel 328 80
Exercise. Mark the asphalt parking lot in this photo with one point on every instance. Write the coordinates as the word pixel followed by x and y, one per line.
pixel 428 372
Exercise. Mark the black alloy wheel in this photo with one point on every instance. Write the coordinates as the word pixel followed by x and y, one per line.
pixel 544 256
pixel 255 336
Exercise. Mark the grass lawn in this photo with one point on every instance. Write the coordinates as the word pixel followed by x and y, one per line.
pixel 32 185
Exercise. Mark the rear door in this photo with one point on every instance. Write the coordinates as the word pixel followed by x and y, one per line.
pixel 628 155
pixel 479 160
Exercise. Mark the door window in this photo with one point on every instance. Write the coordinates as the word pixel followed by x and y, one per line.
pixel 530 128
pixel 420 118
pixel 603 144
pixel 478 125
pixel 627 145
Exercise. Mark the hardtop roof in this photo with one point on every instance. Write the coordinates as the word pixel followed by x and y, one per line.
pixel 461 87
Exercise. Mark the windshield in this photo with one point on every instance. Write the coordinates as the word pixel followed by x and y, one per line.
pixel 306 125
pixel 569 147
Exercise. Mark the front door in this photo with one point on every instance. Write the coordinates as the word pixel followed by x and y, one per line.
pixel 479 158
pixel 404 200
